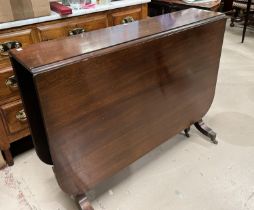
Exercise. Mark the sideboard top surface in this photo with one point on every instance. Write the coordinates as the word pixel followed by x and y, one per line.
pixel 37 57
pixel 55 16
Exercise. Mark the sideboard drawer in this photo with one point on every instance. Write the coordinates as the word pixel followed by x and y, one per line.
pixel 8 83
pixel 126 16
pixel 64 29
pixel 14 117
pixel 13 40
pixel 52 31
pixel 89 23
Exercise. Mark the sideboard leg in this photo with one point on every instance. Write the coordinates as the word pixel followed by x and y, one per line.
pixel 83 203
pixel 186 132
pixel 2 161
pixel 8 157
pixel 201 126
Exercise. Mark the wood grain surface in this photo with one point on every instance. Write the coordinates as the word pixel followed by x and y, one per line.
pixel 106 99
pixel 38 32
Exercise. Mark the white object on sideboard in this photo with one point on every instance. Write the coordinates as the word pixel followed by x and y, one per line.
pixel 56 16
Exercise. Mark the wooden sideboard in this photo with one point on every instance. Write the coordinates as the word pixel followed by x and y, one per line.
pixel 13 123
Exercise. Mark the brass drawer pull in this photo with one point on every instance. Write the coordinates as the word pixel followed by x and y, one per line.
pixel 76 31
pixel 6 46
pixel 21 116
pixel 11 82
pixel 128 19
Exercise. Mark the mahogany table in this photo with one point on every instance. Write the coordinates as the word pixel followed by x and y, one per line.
pixel 98 101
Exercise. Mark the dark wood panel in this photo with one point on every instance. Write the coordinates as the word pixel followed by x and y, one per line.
pixel 32 107
pixel 34 33
pixel 118 109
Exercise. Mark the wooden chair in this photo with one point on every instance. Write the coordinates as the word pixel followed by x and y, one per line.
pixel 240 8
pixel 250 6
pixel 243 9
pixel 227 5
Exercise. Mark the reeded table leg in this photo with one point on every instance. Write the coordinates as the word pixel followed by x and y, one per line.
pixel 201 126
pixel 83 203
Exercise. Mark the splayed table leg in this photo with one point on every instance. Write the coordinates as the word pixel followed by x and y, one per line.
pixel 84 203
pixel 204 129
pixel 186 132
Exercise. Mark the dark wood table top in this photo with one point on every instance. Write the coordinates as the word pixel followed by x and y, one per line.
pixel 205 5
pixel 44 53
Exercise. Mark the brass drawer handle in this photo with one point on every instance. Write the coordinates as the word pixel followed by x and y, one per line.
pixel 6 46
pixel 76 31
pixel 128 19
pixel 21 116
pixel 11 82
